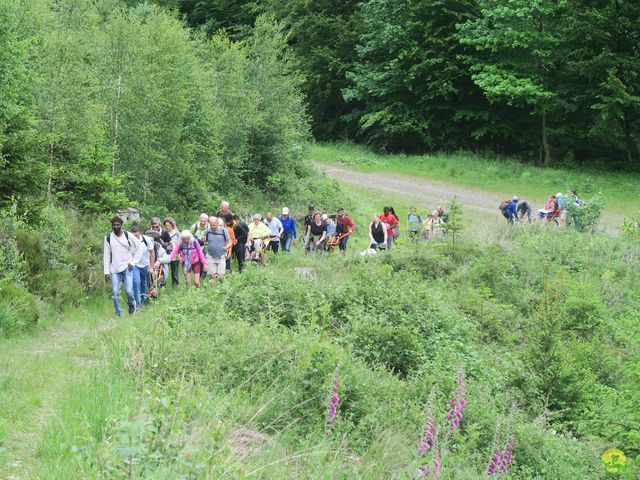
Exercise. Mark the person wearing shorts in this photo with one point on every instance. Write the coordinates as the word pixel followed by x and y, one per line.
pixel 193 260
pixel 218 243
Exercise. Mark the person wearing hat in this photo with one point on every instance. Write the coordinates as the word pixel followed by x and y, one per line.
pixel 289 234
pixel 511 210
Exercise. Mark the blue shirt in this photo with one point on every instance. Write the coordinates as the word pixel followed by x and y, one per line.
pixel 510 211
pixel 288 225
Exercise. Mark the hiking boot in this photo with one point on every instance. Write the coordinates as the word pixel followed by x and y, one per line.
pixel 132 309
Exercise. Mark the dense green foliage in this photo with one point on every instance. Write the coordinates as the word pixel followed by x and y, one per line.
pixel 549 346
pixel 104 103
pixel 548 80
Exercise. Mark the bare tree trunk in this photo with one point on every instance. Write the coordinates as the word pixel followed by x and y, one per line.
pixel 545 141
pixel 50 181
pixel 116 124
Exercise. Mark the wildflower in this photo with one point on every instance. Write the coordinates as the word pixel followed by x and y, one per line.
pixel 425 471
pixel 457 403
pixel 501 461
pixel 427 440
pixel 332 408
pixel 495 463
pixel 507 458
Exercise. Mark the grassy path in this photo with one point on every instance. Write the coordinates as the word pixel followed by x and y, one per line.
pixel 426 194
pixel 35 374
pixel 482 180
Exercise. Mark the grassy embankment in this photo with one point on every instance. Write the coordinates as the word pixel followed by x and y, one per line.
pixel 233 383
pixel 620 190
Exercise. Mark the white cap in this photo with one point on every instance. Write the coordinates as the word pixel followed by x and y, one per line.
pixel 559 194
pixel 285 211
pixel 324 216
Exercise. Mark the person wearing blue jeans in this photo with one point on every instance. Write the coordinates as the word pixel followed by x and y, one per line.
pixel 289 233
pixel 140 281
pixel 122 252
pixel 125 277
pixel 141 269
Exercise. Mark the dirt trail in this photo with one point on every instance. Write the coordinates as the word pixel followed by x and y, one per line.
pixel 435 192
pixel 37 371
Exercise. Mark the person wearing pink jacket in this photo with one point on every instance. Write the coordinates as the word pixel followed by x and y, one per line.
pixel 193 260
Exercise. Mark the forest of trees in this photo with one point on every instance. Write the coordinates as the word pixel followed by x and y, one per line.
pixel 113 101
pixel 103 104
pixel 549 80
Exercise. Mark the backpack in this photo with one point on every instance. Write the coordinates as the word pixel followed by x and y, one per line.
pixel 503 205
pixel 108 239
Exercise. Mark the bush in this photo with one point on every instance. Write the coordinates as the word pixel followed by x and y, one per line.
pixel 18 310
pixel 61 288
pixel 11 262
pixel 31 248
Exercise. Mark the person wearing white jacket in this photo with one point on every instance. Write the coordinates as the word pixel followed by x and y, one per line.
pixel 122 251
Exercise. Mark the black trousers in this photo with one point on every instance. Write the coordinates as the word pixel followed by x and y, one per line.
pixel 175 273
pixel 238 253
pixel 274 246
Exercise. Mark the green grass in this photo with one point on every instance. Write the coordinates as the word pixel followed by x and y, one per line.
pixel 621 191
pixel 164 394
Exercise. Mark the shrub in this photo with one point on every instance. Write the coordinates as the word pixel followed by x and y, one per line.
pixel 398 348
pixel 18 310
pixel 31 248
pixel 62 288
pixel 11 262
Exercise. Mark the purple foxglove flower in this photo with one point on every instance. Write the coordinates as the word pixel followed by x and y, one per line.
pixel 427 439
pixel 507 458
pixel 495 463
pixel 332 409
pixel 457 403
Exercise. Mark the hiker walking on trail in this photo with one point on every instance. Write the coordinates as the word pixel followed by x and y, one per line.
pixel 276 228
pixel 510 210
pixel 199 229
pixel 259 235
pixel 143 268
pixel 413 221
pixel 391 223
pixel 218 243
pixel 191 256
pixel 289 233
pixel 122 252
pixel 241 231
pixel 378 235
pixel 345 226
pixel 228 223
pixel 316 234
pixel 308 220
pixel 224 210
pixel 172 238
pixel 524 211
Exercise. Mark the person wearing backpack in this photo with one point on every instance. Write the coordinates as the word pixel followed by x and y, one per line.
pixel 171 236
pixel 199 229
pixel 191 256
pixel 509 211
pixel 218 244
pixel 241 231
pixel 142 269
pixel 121 253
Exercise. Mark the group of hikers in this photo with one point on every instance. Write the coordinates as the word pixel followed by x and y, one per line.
pixel 554 210
pixel 143 261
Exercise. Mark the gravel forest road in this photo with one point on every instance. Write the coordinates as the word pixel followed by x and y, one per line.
pixel 430 193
